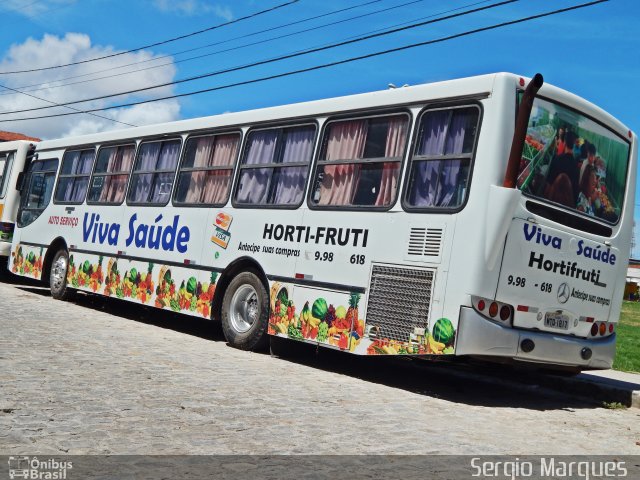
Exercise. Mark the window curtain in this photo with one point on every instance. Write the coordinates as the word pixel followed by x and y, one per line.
pixel 437 182
pixel 216 183
pixel 426 187
pixel 163 182
pixel 76 163
pixel 254 183
pixel 149 153
pixel 80 184
pixel 452 169
pixel 394 147
pixel 290 181
pixel 346 142
pixel 69 166
pixel 204 148
pixel 120 160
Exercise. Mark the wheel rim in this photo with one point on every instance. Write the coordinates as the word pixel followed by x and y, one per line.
pixel 59 272
pixel 244 309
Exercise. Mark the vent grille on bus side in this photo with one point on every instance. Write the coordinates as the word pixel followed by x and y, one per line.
pixel 425 242
pixel 399 300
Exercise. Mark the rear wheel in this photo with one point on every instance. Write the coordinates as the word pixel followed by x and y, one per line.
pixel 58 276
pixel 245 312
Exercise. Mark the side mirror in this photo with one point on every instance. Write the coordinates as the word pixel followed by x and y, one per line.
pixel 20 182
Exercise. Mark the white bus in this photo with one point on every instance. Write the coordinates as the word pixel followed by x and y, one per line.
pixel 13 159
pixel 451 218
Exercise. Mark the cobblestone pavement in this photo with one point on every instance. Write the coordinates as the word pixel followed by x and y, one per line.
pixel 76 379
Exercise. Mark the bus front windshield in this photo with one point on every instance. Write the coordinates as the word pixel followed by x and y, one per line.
pixel 570 160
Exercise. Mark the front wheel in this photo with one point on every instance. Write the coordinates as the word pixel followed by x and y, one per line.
pixel 245 312
pixel 58 275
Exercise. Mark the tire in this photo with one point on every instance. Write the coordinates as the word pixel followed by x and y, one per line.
pixel 58 276
pixel 245 312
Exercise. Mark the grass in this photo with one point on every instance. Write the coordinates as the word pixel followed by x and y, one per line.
pixel 628 342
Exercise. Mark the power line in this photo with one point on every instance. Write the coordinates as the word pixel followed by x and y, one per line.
pixel 272 60
pixel 218 43
pixel 163 42
pixel 331 64
pixel 71 108
pixel 19 7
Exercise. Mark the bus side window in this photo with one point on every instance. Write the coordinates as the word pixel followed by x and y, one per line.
pixel 206 169
pixel 360 162
pixel 6 162
pixel 275 166
pixel 154 172
pixel 441 162
pixel 40 181
pixel 74 176
pixel 109 181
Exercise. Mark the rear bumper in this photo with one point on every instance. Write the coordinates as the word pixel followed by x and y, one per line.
pixel 480 337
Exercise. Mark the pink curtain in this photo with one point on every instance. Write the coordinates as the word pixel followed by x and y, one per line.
pixel 211 187
pixel 346 142
pixel 114 188
pixel 201 159
pixel 396 138
pixel 216 183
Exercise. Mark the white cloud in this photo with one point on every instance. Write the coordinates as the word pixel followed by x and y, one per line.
pixel 32 8
pixel 194 7
pixel 76 47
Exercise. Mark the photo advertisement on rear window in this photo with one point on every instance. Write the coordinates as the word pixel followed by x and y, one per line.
pixel 572 161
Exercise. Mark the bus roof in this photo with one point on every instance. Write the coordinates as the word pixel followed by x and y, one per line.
pixel 14 145
pixel 482 85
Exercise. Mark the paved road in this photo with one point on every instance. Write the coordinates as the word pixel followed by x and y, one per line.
pixel 76 379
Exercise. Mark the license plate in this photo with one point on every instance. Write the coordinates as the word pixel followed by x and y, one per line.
pixel 556 320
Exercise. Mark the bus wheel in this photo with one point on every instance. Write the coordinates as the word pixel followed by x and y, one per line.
pixel 245 312
pixel 58 275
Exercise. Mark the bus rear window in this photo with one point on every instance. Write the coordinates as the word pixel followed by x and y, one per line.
pixel 572 161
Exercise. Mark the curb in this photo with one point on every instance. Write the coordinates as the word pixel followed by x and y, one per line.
pixel 602 386
pixel 596 387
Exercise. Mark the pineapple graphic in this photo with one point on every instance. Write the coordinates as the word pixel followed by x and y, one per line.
pixel 352 311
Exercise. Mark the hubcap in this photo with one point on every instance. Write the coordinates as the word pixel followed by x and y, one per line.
pixel 244 308
pixel 59 272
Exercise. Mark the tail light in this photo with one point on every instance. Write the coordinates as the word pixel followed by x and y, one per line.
pixel 493 309
pixel 505 313
pixel 602 328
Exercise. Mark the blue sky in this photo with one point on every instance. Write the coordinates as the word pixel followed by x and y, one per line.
pixel 593 52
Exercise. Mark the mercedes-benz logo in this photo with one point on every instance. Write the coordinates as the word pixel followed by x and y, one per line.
pixel 563 293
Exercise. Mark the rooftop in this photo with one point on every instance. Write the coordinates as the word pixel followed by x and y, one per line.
pixel 10 137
